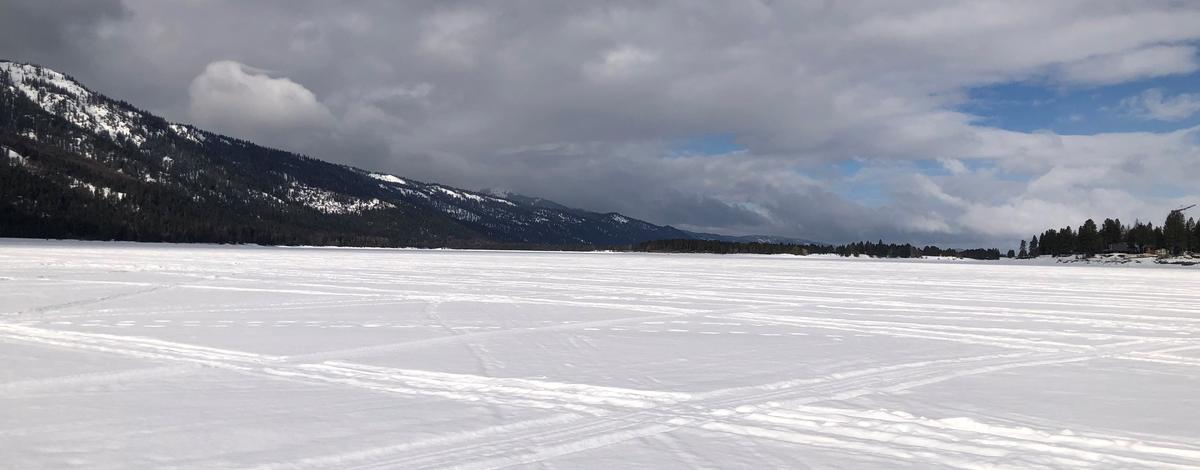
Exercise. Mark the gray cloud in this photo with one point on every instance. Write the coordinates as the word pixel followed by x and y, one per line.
pixel 58 34
pixel 581 102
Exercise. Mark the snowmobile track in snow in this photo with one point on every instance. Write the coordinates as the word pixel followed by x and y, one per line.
pixel 962 328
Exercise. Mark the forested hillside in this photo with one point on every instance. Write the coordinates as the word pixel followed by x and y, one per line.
pixel 77 164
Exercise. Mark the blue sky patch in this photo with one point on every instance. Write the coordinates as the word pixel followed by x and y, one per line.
pixel 1031 106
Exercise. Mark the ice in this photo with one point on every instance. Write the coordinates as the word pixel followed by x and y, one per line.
pixel 124 355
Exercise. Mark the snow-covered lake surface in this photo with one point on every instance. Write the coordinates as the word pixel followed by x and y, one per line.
pixel 120 355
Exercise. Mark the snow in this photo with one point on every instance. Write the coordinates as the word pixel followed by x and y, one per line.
pixel 458 194
pixel 333 203
pixel 543 215
pixel 1115 259
pixel 73 102
pixel 424 193
pixel 15 157
pixel 410 192
pixel 102 192
pixel 188 132
pixel 267 197
pixel 457 212
pixel 123 355
pixel 389 178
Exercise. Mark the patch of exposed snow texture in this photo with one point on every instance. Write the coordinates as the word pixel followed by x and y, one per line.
pixel 73 102
pixel 188 132
pixel 1113 259
pixel 14 156
pixel 499 195
pixel 101 192
pixel 452 359
pixel 469 196
pixel 619 219
pixel 458 212
pixel 409 192
pixel 389 178
pixel 329 202
pixel 458 194
pixel 268 197
pixel 548 215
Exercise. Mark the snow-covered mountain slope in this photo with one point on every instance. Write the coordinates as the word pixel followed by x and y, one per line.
pixel 61 95
pixel 83 165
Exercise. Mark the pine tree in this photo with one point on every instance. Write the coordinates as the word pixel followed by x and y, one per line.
pixel 1064 241
pixel 1196 237
pixel 1175 233
pixel 1023 253
pixel 1089 238
pixel 1190 234
pixel 1110 232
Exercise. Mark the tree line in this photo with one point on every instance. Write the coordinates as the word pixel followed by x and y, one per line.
pixel 1175 236
pixel 872 249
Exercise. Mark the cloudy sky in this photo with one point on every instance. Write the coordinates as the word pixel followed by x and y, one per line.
pixel 952 122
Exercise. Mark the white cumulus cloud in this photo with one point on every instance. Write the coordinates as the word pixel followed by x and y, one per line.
pixel 237 98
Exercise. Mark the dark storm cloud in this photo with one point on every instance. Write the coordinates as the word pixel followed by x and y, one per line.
pixel 580 102
pixel 57 33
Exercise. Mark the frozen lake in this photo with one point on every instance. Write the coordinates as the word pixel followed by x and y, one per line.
pixel 123 355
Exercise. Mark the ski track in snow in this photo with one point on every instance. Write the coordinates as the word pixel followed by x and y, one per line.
pixel 175 310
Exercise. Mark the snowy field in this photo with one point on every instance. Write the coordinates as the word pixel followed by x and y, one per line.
pixel 124 356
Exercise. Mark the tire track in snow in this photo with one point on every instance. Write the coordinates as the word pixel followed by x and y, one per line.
pixel 569 393
pixel 526 445
pixel 385 455
pixel 604 430
pixel 140 347
pixel 959 442
pixel 450 339
pixel 82 302
pixel 850 380
pixel 231 308
pixel 913 330
pixel 26 387
pixel 505 391
pixel 708 414
pixel 466 388
pixel 578 398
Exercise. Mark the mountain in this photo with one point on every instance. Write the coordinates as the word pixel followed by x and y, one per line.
pixel 77 164
pixel 773 239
